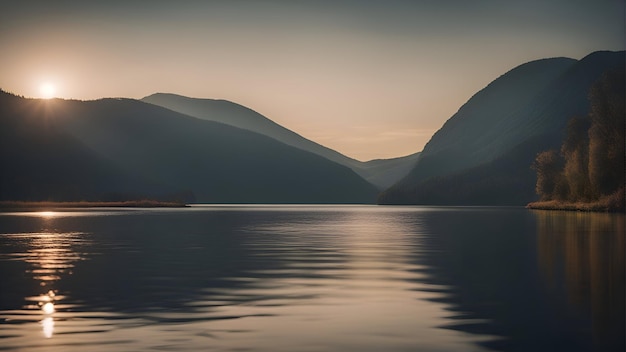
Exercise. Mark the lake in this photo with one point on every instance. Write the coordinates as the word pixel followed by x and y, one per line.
pixel 312 278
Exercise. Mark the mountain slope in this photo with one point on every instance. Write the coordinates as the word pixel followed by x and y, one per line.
pixel 385 172
pixel 512 117
pixel 382 173
pixel 218 163
pixel 41 161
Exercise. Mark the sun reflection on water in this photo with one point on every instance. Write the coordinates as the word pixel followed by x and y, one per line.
pixel 47 307
pixel 50 256
pixel 47 325
pixel 47 214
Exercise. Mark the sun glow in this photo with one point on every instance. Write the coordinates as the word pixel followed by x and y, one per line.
pixel 47 90
pixel 48 308
pixel 47 214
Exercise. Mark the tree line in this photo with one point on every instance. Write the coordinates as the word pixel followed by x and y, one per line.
pixel 591 163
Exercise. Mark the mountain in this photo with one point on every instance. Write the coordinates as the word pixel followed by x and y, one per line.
pixel 41 161
pixel 483 153
pixel 382 173
pixel 73 150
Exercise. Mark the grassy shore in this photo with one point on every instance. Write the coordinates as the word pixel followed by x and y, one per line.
pixel 611 203
pixel 86 204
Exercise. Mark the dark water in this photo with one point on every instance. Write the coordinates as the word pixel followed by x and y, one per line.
pixel 311 278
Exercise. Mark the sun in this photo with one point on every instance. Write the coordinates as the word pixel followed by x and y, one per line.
pixel 47 90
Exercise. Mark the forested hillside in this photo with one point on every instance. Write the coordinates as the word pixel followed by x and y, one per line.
pixel 588 172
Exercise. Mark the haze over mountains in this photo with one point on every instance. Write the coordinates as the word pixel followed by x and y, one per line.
pixel 75 150
pixel 382 173
pixel 171 147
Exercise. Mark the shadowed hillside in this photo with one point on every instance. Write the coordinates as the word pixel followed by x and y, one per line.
pixel 42 161
pixel 483 153
pixel 382 173
pixel 84 150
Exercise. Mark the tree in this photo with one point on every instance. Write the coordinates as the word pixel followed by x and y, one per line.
pixel 606 135
pixel 575 150
pixel 594 150
pixel 548 165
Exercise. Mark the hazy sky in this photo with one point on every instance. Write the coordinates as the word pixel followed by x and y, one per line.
pixel 371 79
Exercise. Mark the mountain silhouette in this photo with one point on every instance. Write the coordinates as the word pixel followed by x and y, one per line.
pixel 483 153
pixel 87 150
pixel 172 147
pixel 382 173
pixel 41 161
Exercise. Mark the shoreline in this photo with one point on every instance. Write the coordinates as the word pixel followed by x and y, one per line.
pixel 598 207
pixel 90 204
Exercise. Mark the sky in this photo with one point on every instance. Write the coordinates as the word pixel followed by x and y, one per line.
pixel 370 79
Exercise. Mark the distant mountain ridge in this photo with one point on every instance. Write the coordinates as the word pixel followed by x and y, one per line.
pixel 171 147
pixel 382 173
pixel 485 150
pixel 89 150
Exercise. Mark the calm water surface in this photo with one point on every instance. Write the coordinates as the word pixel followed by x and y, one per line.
pixel 311 278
